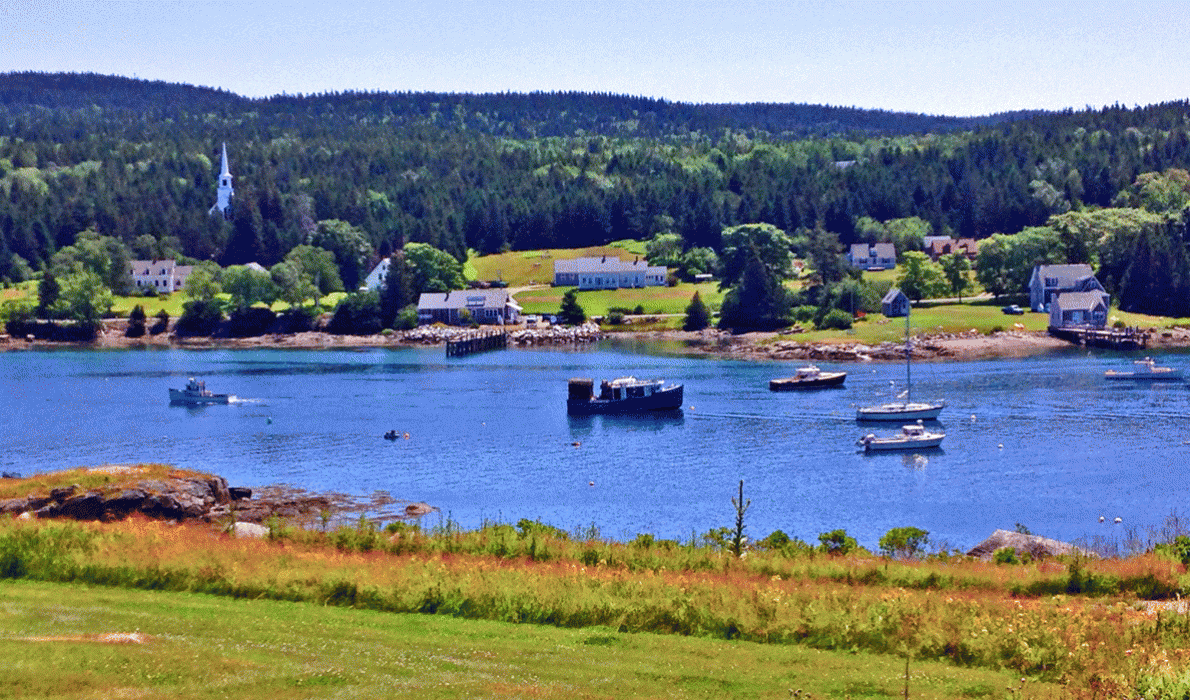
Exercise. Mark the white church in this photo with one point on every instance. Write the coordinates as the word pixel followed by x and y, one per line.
pixel 225 192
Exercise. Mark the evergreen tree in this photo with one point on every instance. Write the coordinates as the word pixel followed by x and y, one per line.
pixel 758 301
pixel 48 290
pixel 572 314
pixel 698 316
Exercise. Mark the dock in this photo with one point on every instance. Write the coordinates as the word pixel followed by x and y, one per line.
pixel 478 341
pixel 1113 338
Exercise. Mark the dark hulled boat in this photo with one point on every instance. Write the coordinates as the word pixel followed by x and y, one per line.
pixel 622 395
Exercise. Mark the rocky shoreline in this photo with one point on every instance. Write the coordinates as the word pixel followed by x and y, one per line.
pixel 183 496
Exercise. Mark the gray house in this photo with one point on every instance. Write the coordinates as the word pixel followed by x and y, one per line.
pixel 895 303
pixel 1048 280
pixel 607 273
pixel 1079 310
pixel 464 306
pixel 873 256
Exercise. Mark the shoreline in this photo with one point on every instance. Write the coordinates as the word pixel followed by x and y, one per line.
pixel 769 346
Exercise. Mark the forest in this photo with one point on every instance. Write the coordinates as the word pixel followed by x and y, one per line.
pixel 138 161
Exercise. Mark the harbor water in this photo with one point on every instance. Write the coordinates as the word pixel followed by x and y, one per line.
pixel 1044 442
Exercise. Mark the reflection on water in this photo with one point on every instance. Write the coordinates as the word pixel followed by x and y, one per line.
pixel 1045 441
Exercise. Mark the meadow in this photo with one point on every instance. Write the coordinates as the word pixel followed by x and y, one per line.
pixel 1077 627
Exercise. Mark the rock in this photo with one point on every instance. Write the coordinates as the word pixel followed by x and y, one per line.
pixel 249 530
pixel 9 475
pixel 60 495
pixel 86 506
pixel 1033 545
pixel 418 509
pixel 239 493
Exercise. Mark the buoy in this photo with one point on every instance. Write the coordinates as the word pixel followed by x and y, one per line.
pixel 1001 445
pixel 972 417
pixel 406 436
pixel 1101 518
pixel 1119 520
pixel 576 443
pixel 270 420
pixel 590 483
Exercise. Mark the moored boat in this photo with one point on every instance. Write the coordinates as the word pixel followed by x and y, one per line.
pixel 196 392
pixel 808 377
pixel 1146 370
pixel 622 395
pixel 907 409
pixel 911 437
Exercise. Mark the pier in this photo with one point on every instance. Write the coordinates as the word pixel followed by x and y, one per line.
pixel 1113 338
pixel 479 341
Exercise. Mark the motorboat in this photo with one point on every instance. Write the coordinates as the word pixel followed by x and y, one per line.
pixel 911 437
pixel 196 393
pixel 1146 370
pixel 622 395
pixel 907 409
pixel 808 377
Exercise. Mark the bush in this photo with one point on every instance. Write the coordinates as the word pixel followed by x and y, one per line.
pixel 804 314
pixel 836 319
pixel 136 322
pixel 1005 555
pixel 698 316
pixel 903 541
pixel 161 324
pixel 837 542
pixel 199 317
pixel 296 319
pixel 356 314
pixel 250 322
pixel 615 318
pixel 406 318
pixel 638 310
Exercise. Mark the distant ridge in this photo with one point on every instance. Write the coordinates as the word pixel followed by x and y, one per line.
pixel 504 114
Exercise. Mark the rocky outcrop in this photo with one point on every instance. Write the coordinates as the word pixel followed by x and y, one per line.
pixel 174 498
pixel 1036 547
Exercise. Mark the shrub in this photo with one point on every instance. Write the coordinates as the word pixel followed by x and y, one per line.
pixel 903 541
pixel 296 319
pixel 252 321
pixel 638 310
pixel 837 542
pixel 698 316
pixel 615 318
pixel 199 317
pixel 356 314
pixel 161 324
pixel 406 318
pixel 836 319
pixel 1005 555
pixel 804 314
pixel 136 322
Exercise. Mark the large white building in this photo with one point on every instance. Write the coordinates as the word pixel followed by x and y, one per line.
pixel 607 273
pixel 162 276
pixel 224 193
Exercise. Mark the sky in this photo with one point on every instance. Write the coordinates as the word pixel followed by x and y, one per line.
pixel 946 58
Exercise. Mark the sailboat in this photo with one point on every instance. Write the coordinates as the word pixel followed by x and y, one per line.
pixel 906 410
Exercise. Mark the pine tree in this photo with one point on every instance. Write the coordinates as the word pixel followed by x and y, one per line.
pixel 572 314
pixel 698 316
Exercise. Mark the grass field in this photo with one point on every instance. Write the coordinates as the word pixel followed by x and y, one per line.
pixel 524 268
pixel 654 300
pixel 198 646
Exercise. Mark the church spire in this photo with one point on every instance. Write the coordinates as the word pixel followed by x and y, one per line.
pixel 225 190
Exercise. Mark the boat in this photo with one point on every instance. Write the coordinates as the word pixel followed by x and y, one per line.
pixel 1146 370
pixel 622 395
pixel 808 377
pixel 196 392
pixel 911 437
pixel 907 409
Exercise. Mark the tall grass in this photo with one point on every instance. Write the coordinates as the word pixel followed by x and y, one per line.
pixel 1049 619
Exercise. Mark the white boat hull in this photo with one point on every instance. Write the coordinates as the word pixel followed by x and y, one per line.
pixel 901 443
pixel 901 412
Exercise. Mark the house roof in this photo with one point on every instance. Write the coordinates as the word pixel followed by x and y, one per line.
pixel 880 250
pixel 1066 275
pixel 464 299
pixel 1068 301
pixel 892 295
pixel 603 264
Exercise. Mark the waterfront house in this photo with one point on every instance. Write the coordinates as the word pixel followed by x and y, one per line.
pixel 375 279
pixel 1079 310
pixel 607 273
pixel 1048 280
pixel 457 307
pixel 895 303
pixel 938 246
pixel 873 256
pixel 162 276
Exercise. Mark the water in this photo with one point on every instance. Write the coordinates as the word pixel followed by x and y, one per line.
pixel 1044 442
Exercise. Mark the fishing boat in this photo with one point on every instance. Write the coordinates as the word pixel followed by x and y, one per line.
pixel 808 377
pixel 622 395
pixel 911 437
pixel 907 409
pixel 1146 370
pixel 196 393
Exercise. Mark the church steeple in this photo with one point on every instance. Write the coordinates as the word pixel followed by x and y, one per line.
pixel 225 191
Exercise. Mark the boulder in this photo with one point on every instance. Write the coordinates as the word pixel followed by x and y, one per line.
pixel 1033 545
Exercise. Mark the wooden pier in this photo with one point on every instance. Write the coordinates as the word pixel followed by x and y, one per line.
pixel 1113 338
pixel 477 342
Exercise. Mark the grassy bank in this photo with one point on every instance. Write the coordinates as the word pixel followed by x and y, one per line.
pixel 196 646
pixel 1080 622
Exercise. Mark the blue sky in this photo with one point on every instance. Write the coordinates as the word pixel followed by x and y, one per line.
pixel 954 58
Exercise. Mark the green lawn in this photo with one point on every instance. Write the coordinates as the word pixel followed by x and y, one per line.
pixel 197 646
pixel 655 300
pixel 523 268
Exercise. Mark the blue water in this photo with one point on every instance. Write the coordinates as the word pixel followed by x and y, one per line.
pixel 1044 442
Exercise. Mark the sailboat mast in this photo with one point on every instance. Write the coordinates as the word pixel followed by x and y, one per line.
pixel 908 364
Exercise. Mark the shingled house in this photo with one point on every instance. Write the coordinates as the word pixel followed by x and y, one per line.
pixel 1048 280
pixel 607 273
pixel 464 306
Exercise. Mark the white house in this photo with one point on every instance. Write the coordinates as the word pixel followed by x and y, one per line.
pixel 607 273
pixel 873 256
pixel 375 279
pixel 481 306
pixel 162 276
pixel 1048 280
pixel 224 193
